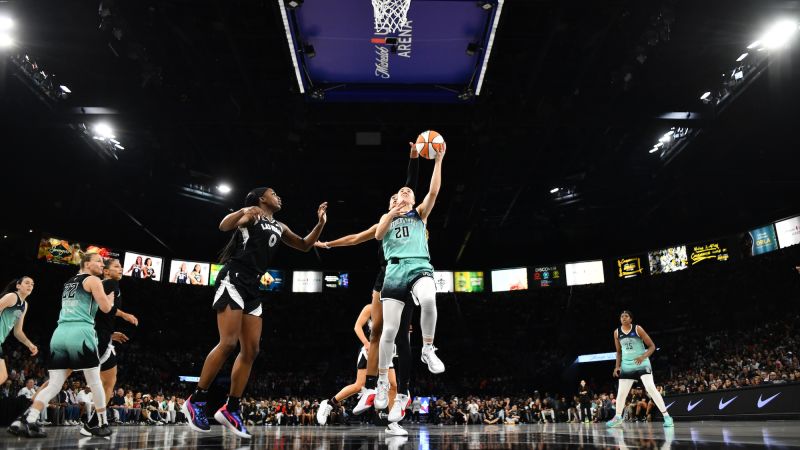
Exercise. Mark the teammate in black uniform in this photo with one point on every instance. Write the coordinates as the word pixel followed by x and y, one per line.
pixel 238 300
pixel 403 366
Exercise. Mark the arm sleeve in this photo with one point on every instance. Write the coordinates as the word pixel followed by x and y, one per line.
pixel 413 174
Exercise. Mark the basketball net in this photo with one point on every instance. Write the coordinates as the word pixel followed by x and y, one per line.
pixel 390 15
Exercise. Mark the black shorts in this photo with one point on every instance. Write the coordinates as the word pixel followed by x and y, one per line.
pixel 379 279
pixel 362 359
pixel 237 291
pixel 107 352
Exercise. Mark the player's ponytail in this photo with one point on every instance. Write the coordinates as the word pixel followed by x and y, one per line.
pixel 251 199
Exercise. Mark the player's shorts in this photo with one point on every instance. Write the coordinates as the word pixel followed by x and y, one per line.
pixel 379 279
pixel 401 274
pixel 238 292
pixel 108 354
pixel 630 371
pixel 362 359
pixel 74 346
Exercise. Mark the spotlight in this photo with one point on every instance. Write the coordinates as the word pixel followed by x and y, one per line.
pixel 103 131
pixel 754 45
pixel 224 188
pixel 65 89
pixel 706 95
pixel 779 34
pixel 6 23
pixel 554 190
pixel 294 4
pixel 5 40
pixel 742 57
pixel 486 6
pixel 473 48
pixel 318 94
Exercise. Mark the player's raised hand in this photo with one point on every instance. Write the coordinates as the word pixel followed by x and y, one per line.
pixel 252 212
pixel 441 152
pixel 322 213
pixel 414 152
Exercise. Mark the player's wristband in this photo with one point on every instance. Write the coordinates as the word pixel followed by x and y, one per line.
pixel 114 310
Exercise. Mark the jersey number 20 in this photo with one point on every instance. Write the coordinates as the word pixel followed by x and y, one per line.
pixel 401 232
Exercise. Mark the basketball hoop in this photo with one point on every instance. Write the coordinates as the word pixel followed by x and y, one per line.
pixel 390 15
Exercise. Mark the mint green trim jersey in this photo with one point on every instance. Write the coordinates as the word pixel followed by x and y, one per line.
pixel 9 318
pixel 406 237
pixel 631 343
pixel 77 305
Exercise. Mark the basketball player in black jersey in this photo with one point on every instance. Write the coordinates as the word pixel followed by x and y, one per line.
pixel 403 365
pixel 237 300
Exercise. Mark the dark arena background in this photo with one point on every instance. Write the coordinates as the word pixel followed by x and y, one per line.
pixel 604 156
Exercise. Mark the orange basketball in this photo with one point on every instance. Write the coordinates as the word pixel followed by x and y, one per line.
pixel 429 143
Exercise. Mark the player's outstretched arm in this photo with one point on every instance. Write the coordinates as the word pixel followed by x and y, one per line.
pixel 424 208
pixel 350 239
pixel 305 244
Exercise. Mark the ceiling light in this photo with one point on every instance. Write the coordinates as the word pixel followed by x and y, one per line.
pixel 554 190
pixel 6 40
pixel 6 23
pixel 103 130
pixel 224 188
pixel 778 35
pixel 706 95
pixel 740 58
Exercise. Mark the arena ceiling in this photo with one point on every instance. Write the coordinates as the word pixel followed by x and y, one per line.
pixel 203 91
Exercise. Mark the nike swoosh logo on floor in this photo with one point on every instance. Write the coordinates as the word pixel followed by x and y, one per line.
pixel 762 403
pixel 693 406
pixel 724 404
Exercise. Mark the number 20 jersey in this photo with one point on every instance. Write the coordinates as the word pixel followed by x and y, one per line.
pixel 406 237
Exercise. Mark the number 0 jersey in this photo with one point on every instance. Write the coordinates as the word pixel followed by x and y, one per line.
pixel 406 237
pixel 256 245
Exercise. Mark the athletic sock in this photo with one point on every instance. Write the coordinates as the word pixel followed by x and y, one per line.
pixel 233 403
pixel 200 395
pixel 102 419
pixel 31 415
pixel 372 380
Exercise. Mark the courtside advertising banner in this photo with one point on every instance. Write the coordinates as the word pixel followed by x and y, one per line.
pixel 587 272
pixel 468 281
pixel 510 280
pixel 757 403
pixel 443 280
pixel 788 232
pixel 306 281
pixel 146 267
